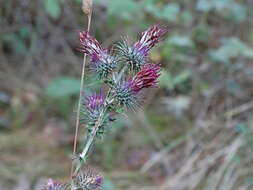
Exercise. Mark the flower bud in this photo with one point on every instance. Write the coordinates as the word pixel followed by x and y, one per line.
pixel 146 78
pixel 89 179
pixel 136 55
pixel 127 91
pixel 101 62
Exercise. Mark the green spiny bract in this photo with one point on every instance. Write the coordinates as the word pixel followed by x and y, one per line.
pixel 136 56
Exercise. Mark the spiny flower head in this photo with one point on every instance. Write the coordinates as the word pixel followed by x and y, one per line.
pixel 150 38
pixel 95 101
pixel 126 91
pixel 54 185
pixel 125 95
pixel 89 179
pixel 102 62
pixel 93 104
pixel 92 107
pixel 146 78
pixel 136 55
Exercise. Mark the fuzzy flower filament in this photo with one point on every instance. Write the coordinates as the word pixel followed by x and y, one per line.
pixel 136 55
pixel 101 62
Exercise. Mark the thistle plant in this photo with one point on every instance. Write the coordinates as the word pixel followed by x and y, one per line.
pixel 125 72
pixel 125 77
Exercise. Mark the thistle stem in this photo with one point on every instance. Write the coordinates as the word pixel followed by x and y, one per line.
pixel 79 101
pixel 91 139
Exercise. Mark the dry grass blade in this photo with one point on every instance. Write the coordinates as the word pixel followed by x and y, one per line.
pixel 87 6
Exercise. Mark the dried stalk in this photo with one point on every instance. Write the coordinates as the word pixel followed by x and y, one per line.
pixel 87 9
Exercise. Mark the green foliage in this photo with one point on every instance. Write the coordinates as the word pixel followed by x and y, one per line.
pixel 242 128
pixel 186 17
pixel 180 41
pixel 237 13
pixel 126 9
pixel 63 86
pixel 231 48
pixel 207 5
pixel 230 9
pixel 17 40
pixel 107 185
pixel 168 12
pixel 53 8
pixel 171 82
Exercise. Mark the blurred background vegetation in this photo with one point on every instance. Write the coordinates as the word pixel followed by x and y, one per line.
pixel 194 132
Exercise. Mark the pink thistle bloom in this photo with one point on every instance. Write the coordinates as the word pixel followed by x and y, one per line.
pixel 95 101
pixel 146 78
pixel 89 179
pixel 136 56
pixel 150 38
pixel 126 91
pixel 54 185
pixel 92 107
pixel 91 46
pixel 102 62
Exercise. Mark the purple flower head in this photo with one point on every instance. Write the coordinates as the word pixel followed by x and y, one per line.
pixel 89 179
pixel 98 181
pixel 95 101
pixel 91 109
pixel 125 94
pixel 150 38
pixel 136 56
pixel 53 185
pixel 102 62
pixel 146 78
pixel 127 91
pixel 91 46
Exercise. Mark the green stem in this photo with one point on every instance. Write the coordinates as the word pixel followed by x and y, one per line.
pixel 91 139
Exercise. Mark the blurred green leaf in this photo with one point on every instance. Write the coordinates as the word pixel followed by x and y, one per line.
pixel 187 17
pixel 221 4
pixel 170 82
pixel 236 13
pixel 107 185
pixel 24 32
pixel 124 9
pixel 231 48
pixel 204 5
pixel 182 77
pixel 230 9
pixel 201 33
pixel 16 42
pixel 180 41
pixel 170 11
pixel 166 80
pixel 53 8
pixel 63 86
pixel 207 5
pixel 242 128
